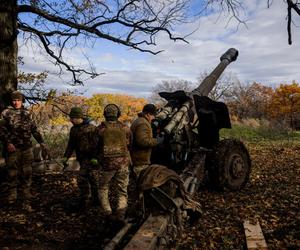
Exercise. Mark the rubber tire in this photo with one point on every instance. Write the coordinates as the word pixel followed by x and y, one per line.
pixel 230 166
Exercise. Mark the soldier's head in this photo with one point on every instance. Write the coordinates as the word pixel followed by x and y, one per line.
pixel 17 99
pixel 111 112
pixel 76 115
pixel 149 111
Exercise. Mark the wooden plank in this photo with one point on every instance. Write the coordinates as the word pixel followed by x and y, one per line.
pixel 254 236
pixel 116 240
pixel 147 236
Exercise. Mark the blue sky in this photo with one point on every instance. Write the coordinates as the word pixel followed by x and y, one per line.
pixel 265 55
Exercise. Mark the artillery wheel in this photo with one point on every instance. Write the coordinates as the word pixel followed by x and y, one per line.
pixel 230 165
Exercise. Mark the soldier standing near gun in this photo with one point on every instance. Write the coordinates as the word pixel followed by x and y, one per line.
pixel 114 140
pixel 83 141
pixel 17 129
pixel 143 140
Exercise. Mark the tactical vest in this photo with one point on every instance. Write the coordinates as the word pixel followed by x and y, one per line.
pixel 114 140
pixel 85 137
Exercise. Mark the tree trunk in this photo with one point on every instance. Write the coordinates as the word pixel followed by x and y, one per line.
pixel 8 50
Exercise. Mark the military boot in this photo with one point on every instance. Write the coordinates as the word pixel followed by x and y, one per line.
pixel 120 215
pixel 104 202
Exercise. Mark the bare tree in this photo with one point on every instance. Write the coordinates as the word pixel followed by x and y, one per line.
pixel 235 7
pixel 169 86
pixel 292 5
pixel 224 87
pixel 58 25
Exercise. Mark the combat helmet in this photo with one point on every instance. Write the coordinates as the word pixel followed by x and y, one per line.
pixel 111 111
pixel 76 112
pixel 16 95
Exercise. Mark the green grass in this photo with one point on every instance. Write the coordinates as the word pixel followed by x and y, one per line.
pixel 247 133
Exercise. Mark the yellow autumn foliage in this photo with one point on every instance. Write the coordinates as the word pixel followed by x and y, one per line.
pixel 128 105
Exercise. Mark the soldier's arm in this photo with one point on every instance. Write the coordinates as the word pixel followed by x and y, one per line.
pixel 144 137
pixel 128 136
pixel 99 133
pixel 35 133
pixel 70 146
pixel 94 140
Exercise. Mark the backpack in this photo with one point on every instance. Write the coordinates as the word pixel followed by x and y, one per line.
pixel 114 140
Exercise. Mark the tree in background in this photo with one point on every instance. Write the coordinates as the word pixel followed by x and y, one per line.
pixel 250 101
pixel 55 110
pixel 224 87
pixel 129 106
pixel 169 86
pixel 285 104
pixel 58 26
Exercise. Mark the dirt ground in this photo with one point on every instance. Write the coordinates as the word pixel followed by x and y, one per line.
pixel 272 198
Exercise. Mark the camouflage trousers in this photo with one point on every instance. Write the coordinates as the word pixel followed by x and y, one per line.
pixel 88 183
pixel 17 183
pixel 119 179
pixel 138 169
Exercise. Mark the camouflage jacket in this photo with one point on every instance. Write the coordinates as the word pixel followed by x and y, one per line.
pixel 83 141
pixel 17 128
pixel 114 163
pixel 143 141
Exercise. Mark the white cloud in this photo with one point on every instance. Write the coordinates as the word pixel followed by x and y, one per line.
pixel 264 56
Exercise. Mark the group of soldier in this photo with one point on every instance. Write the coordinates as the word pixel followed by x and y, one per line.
pixel 106 153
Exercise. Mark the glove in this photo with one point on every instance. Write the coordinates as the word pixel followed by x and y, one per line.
pixel 10 148
pixel 94 162
pixel 65 162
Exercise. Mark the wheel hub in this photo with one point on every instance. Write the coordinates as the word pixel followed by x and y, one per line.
pixel 237 168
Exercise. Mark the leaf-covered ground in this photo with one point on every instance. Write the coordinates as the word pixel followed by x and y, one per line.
pixel 272 198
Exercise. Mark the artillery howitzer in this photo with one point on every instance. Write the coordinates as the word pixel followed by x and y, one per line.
pixel 188 130
pixel 188 126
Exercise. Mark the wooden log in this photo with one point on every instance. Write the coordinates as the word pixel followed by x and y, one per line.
pixel 116 240
pixel 147 236
pixel 254 236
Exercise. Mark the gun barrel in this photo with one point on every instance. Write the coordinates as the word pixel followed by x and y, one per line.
pixel 164 113
pixel 178 116
pixel 210 81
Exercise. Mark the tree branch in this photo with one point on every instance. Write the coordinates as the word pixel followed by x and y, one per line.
pixel 94 28
pixel 45 42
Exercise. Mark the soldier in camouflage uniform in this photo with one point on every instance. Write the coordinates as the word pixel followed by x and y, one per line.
pixel 114 140
pixel 17 129
pixel 83 141
pixel 143 140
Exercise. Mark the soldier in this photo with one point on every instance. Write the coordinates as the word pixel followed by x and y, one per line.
pixel 143 140
pixel 114 140
pixel 82 140
pixel 18 127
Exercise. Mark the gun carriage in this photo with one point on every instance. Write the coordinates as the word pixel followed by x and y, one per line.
pixel 188 128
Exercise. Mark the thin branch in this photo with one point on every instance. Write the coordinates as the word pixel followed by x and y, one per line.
pixel 46 44
pixel 98 33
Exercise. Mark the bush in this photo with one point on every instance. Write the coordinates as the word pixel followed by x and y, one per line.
pixel 56 138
